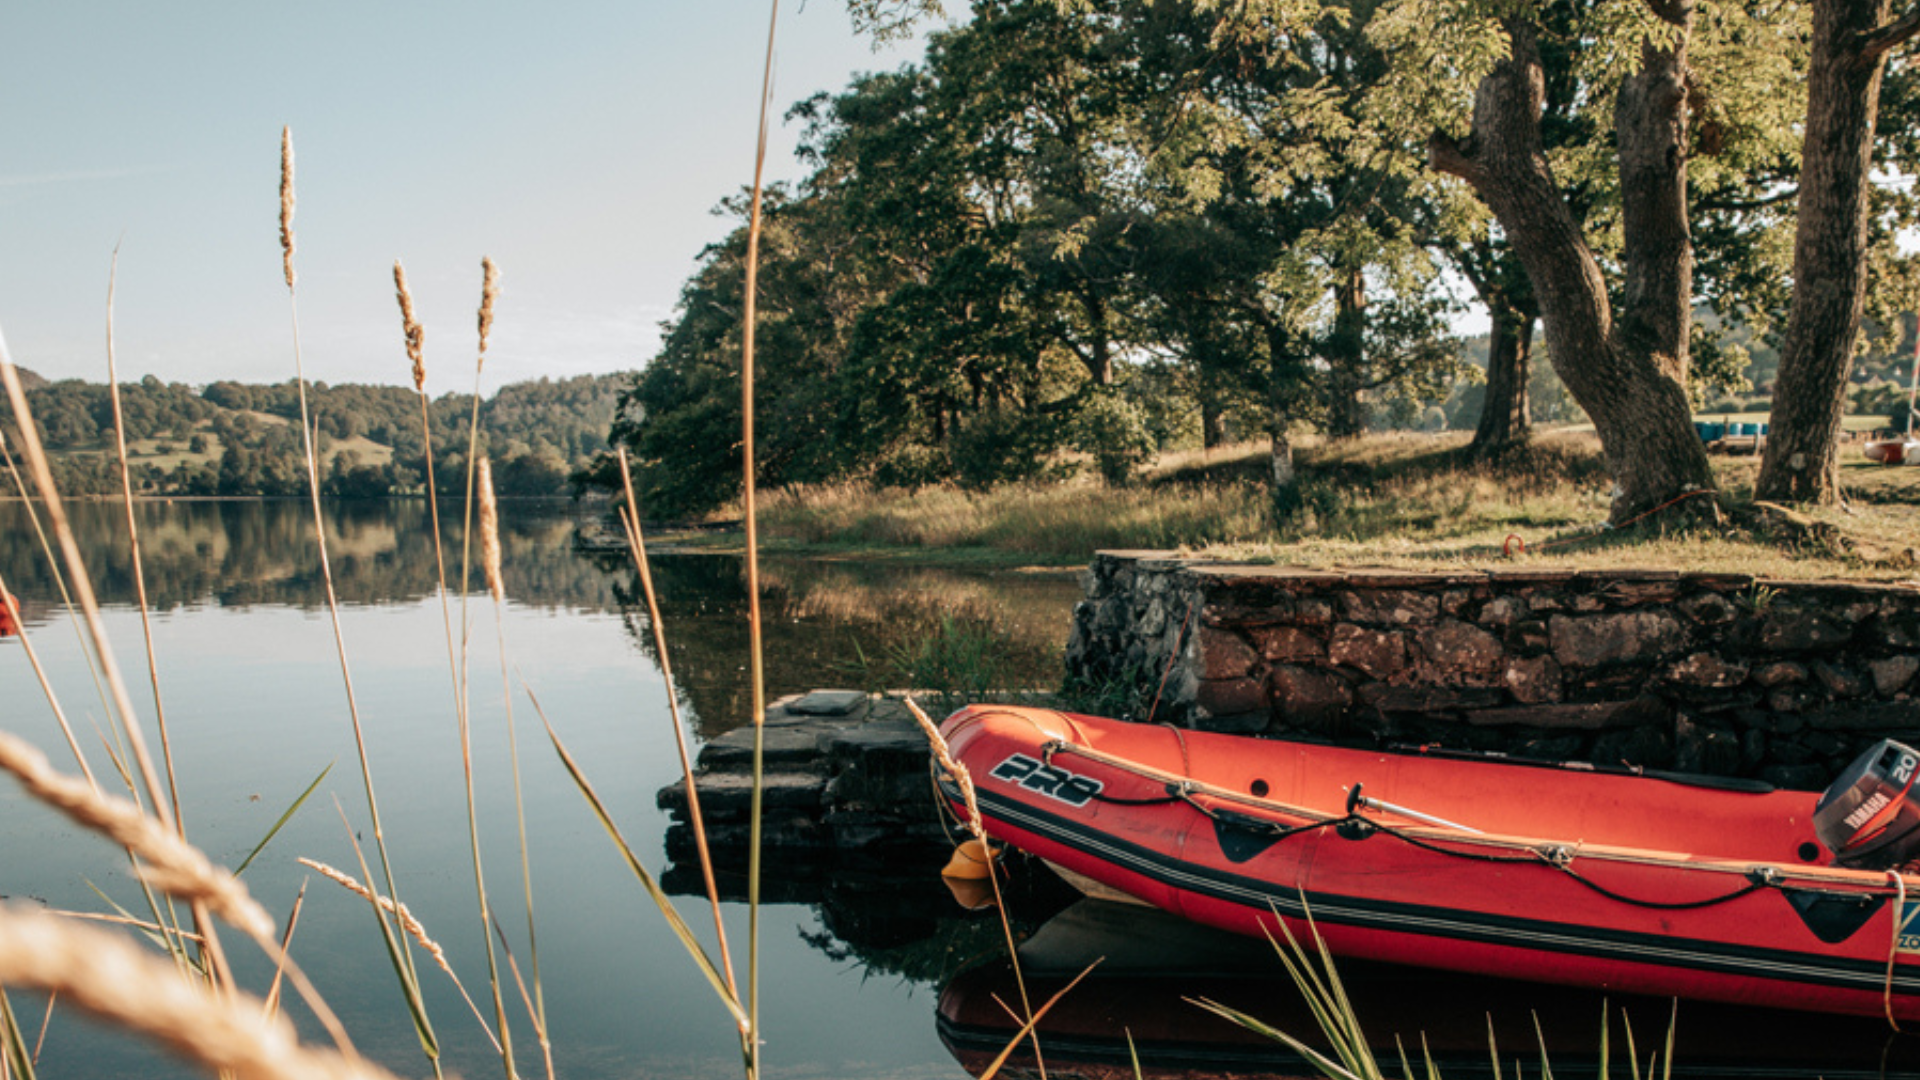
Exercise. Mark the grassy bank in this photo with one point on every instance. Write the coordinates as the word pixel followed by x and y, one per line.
pixel 1404 500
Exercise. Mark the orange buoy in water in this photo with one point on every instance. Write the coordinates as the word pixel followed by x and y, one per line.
pixel 972 894
pixel 972 861
pixel 9 624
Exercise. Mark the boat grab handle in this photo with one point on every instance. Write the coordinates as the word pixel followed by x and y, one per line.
pixel 1357 801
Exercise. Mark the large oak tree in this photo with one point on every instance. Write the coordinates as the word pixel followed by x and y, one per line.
pixel 1851 39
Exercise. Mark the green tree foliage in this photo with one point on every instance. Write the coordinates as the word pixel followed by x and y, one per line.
pixel 243 439
pixel 1083 228
pixel 1025 244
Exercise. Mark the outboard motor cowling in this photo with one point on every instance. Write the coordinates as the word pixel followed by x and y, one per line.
pixel 1870 817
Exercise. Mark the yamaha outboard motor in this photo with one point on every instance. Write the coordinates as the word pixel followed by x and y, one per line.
pixel 1870 817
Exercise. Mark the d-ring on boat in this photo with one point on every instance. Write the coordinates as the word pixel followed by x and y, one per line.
pixel 1635 883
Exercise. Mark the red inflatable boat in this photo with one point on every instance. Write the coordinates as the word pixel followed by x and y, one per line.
pixel 1628 883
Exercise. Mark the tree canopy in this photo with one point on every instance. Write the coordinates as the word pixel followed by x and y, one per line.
pixel 1081 230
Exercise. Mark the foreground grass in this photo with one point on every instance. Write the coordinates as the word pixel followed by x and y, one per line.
pixel 1404 500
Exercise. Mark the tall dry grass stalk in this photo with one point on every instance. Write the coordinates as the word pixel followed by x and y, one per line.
pixel 206 941
pixel 400 912
pixel 490 563
pixel 66 597
pixel 46 687
pixel 408 922
pixel 410 325
pixel 169 863
pixel 286 204
pixel 62 526
pixel 963 779
pixel 490 556
pixel 490 534
pixel 133 537
pixel 126 721
pixel 286 943
pixel 750 510
pixel 489 296
pixel 637 550
pixel 416 337
pixel 398 949
pixel 114 980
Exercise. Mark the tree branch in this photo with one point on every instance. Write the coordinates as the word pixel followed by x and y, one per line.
pixel 1446 154
pixel 1877 42
pixel 1788 194
pixel 1673 12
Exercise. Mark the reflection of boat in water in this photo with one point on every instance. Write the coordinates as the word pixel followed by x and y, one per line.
pixel 1627 883
pixel 1153 964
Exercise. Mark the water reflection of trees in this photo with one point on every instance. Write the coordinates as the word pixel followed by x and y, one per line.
pixel 821 618
pixel 237 553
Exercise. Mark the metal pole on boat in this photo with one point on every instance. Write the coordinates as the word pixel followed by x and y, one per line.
pixel 1355 799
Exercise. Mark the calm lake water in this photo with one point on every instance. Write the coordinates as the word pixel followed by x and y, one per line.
pixel 255 703
pixel 879 975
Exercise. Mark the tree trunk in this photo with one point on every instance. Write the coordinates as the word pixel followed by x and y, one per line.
pixel 1286 480
pixel 1283 388
pixel 1505 418
pixel 1213 420
pixel 1629 375
pixel 1829 251
pixel 1345 353
pixel 1099 356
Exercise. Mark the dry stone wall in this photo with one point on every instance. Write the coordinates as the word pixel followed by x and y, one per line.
pixel 1712 673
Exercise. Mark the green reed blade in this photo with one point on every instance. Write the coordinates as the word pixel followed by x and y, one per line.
pixel 659 895
pixel 13 1043
pixel 1318 1060
pixel 1606 1038
pixel 284 818
pixel 164 939
pixel 1546 1068
pixel 394 937
pixel 1673 1025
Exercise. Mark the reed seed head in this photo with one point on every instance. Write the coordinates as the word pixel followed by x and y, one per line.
pixel 416 334
pixel 961 777
pixel 489 292
pixel 286 203
pixel 490 532
pixel 170 863
pixel 134 989
pixel 399 911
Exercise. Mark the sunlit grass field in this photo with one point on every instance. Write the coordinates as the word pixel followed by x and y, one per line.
pixel 1400 499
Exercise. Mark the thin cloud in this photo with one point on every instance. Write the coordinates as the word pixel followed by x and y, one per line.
pixel 71 175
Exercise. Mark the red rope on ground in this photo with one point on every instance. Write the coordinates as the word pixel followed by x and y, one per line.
pixel 1513 539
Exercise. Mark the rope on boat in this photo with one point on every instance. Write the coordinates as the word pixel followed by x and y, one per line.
pixel 1558 856
pixel 1893 946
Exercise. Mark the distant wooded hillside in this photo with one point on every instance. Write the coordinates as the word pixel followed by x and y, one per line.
pixel 232 438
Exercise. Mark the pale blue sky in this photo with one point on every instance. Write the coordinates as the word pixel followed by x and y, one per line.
pixel 580 143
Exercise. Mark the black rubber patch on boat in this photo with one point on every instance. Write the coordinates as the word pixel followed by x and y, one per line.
pixel 1833 917
pixel 1242 837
